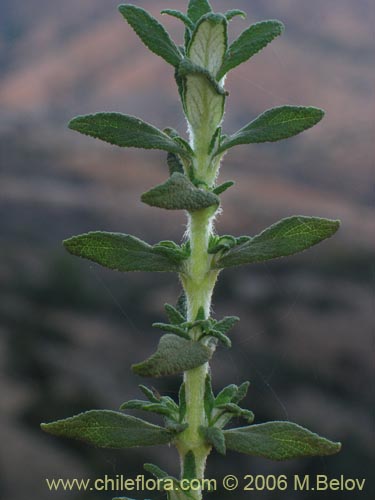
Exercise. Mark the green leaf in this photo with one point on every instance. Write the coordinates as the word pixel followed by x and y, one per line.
pixel 209 398
pixel 177 330
pixel 155 471
pixel 221 337
pixel 179 193
pixel 279 441
pixel 209 43
pixel 152 33
pixel 181 305
pixel 190 471
pixel 241 392
pixel 286 237
pixel 174 316
pixel 226 395
pixel 274 125
pixel 109 429
pixel 226 324
pixel 179 15
pixel 174 163
pixel 249 43
pixel 230 14
pixel 125 131
pixel 157 408
pixel 149 394
pixel 223 187
pixel 197 9
pixel 123 252
pixel 214 436
pixel 182 401
pixel 174 355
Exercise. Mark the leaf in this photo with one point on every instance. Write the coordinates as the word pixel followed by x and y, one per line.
pixel 179 15
pixel 174 316
pixel 230 14
pixel 214 436
pixel 226 395
pixel 122 252
pixel 279 441
pixel 226 324
pixel 274 125
pixel 177 330
pixel 152 33
pixel 125 131
pixel 182 401
pixel 190 471
pixel 197 9
pixel 223 187
pixel 181 304
pixel 155 471
pixel 149 394
pixel 286 237
pixel 251 41
pixel 174 355
pixel 221 337
pixel 209 43
pixel 241 392
pixel 174 163
pixel 109 429
pixel 179 193
pixel 209 398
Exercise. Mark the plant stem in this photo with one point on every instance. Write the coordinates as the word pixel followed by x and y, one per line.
pixel 198 283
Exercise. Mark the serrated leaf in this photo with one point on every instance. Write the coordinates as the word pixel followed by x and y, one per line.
pixel 109 429
pixel 251 41
pixel 223 187
pixel 274 125
pixel 286 237
pixel 152 33
pixel 279 441
pixel 174 355
pixel 197 9
pixel 179 193
pixel 215 437
pixel 125 131
pixel 209 43
pixel 179 15
pixel 189 471
pixel 230 14
pixel 122 252
pixel 174 316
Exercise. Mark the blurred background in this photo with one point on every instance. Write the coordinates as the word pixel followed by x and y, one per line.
pixel 69 330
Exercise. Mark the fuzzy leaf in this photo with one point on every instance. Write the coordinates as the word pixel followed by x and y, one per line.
pixel 226 324
pixel 214 436
pixel 209 43
pixel 174 355
pixel 241 392
pixel 152 33
pixel 209 398
pixel 182 401
pixel 155 471
pixel 226 395
pixel 109 429
pixel 179 15
pixel 174 164
pixel 279 441
pixel 286 237
pixel 170 328
pixel 274 125
pixel 174 316
pixel 149 394
pixel 230 14
pixel 179 193
pixel 123 252
pixel 197 9
pixel 223 187
pixel 125 131
pixel 190 471
pixel 249 43
pixel 221 337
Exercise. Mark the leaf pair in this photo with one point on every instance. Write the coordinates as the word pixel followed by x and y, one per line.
pixel 287 237
pixel 124 253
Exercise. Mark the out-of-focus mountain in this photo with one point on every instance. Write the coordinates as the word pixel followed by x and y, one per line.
pixel 69 331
